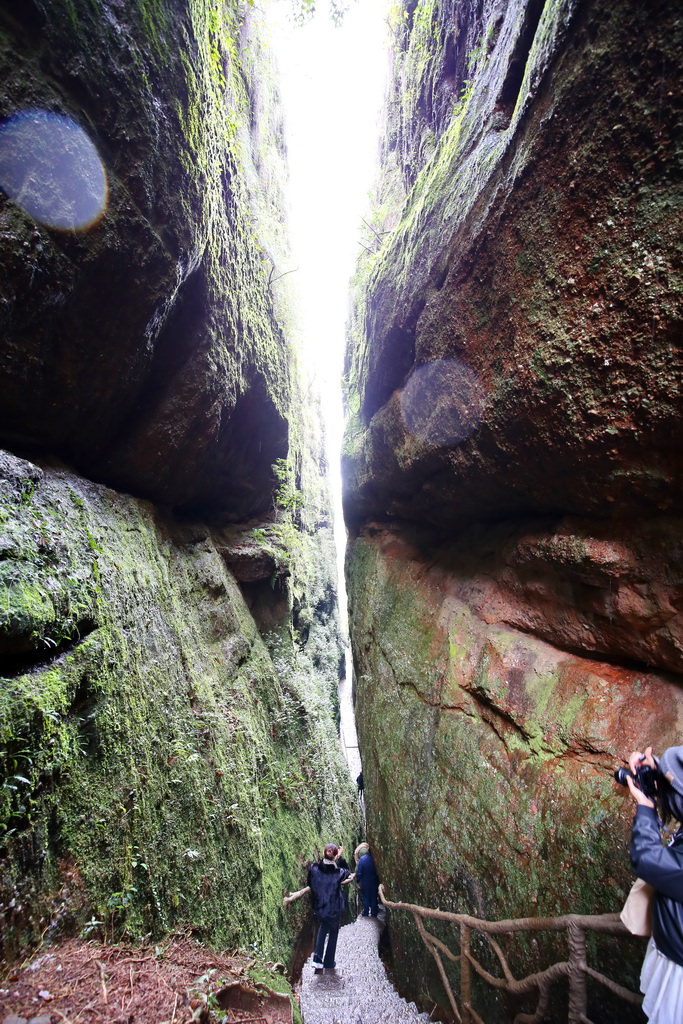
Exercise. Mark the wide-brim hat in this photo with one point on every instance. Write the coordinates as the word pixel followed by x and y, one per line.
pixel 671 767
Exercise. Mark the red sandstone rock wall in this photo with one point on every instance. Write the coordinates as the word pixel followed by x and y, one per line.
pixel 512 465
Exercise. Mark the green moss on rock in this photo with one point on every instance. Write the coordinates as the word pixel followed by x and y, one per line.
pixel 153 339
pixel 159 764
pixel 488 757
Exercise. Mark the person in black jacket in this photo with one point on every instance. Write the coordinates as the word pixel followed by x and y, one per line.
pixel 341 862
pixel 368 880
pixel 661 978
pixel 325 878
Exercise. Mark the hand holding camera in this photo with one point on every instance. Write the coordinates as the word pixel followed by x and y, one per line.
pixel 640 777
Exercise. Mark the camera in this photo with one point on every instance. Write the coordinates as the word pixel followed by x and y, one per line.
pixel 645 779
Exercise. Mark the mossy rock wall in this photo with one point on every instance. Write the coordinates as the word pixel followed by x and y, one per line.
pixel 161 765
pixel 516 341
pixel 512 461
pixel 148 351
pixel 168 752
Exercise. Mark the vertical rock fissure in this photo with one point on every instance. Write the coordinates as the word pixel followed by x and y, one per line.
pixel 517 61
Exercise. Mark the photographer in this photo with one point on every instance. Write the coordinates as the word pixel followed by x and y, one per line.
pixel 661 978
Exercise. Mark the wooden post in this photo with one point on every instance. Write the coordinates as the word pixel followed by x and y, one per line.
pixel 442 972
pixel 465 974
pixel 578 995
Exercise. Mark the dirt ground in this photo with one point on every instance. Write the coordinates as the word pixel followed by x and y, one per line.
pixel 179 982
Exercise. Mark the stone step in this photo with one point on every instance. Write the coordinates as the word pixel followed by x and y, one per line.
pixel 357 991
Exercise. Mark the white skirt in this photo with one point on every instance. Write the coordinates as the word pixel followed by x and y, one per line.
pixel 661 980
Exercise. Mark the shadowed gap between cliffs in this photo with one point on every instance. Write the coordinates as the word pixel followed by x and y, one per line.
pixel 15 663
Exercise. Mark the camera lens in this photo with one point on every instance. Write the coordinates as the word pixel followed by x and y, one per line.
pixel 621 775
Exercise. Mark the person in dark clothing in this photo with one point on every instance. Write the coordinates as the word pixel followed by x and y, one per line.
pixel 341 862
pixel 359 783
pixel 325 878
pixel 368 880
pixel 661 978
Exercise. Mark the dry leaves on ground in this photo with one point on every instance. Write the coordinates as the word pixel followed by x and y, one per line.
pixel 79 982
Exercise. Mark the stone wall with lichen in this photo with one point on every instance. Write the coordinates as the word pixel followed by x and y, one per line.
pixel 168 689
pixel 512 458
pixel 148 350
pixel 163 763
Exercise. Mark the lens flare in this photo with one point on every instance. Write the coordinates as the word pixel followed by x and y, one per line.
pixel 50 168
pixel 442 402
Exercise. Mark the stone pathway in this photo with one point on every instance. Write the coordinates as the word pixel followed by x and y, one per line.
pixel 347 726
pixel 358 990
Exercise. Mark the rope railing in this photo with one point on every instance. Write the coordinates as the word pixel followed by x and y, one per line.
pixel 575 969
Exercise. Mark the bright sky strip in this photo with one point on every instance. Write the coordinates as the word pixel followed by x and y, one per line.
pixel 332 82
